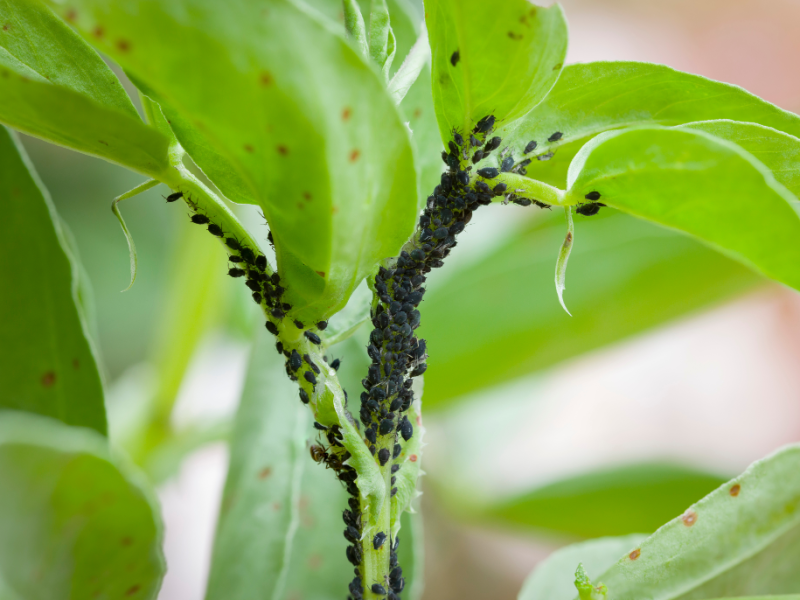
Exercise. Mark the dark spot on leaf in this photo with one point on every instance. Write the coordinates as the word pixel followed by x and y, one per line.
pixel 98 32
pixel 320 273
pixel 248 148
pixel 334 210
pixel 264 473
pixel 558 66
pixel 126 541
pixel 635 554
pixel 514 36
pixel 354 155
pixel 76 364
pixel 306 195
pixel 133 589
pixel 71 15
pixel 346 113
pixel 454 58
pixel 314 562
pixel 282 150
pixel 48 379
pixel 735 489
pixel 123 45
pixel 301 206
pixel 413 458
pixel 5 73
pixel 102 142
pixel 569 237
pixel 689 518
pixel 417 113
pixel 6 26
pixel 265 79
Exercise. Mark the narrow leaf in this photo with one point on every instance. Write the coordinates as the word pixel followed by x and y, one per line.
pixel 381 38
pixel 354 25
pixel 595 97
pixel 150 183
pixel 412 66
pixel 744 536
pixel 563 257
pixel 503 70
pixel 75 521
pixel 699 184
pixel 47 365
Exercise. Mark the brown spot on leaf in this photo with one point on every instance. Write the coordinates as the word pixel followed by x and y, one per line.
pixel 569 237
pixel 306 195
pixel 417 113
pixel 558 66
pixel 264 473
pixel 635 554
pixel 282 150
pixel 76 364
pixel 265 79
pixel 314 562
pixel 133 589
pixel 248 148
pixel 514 36
pixel 123 45
pixel 346 113
pixel 6 26
pixel 689 518
pixel 413 458
pixel 276 506
pixel 102 142
pixel 71 15
pixel 320 273
pixel 126 541
pixel 354 155
pixel 735 489
pixel 48 379
pixel 98 31
pixel 301 206
pixel 334 210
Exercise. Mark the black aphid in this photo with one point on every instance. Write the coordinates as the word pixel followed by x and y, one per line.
pixel 492 144
pixel 309 377
pixel 200 219
pixel 175 196
pixel 383 456
pixel 353 555
pixel 593 196
pixel 298 324
pixel 312 337
pixel 295 362
pixel 320 426
pixel 530 147
pixel 589 209
pixel 378 589
pixel 311 363
pixel 406 429
pixel 454 58
pixel 485 125
pixel 261 262
pixel 488 172
pixel 233 243
pixel 304 396
pixel 257 297
pixel 507 163
pixel 215 229
pixel 322 325
pixel 386 426
pixel 336 364
pixel 236 272
pixel 378 540
pixel 555 137
pixel 272 328
pixel 397 450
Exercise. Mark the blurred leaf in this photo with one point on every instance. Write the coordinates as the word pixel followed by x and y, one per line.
pixel 74 522
pixel 347 321
pixel 617 501
pixel 591 98
pixel 57 88
pixel 412 66
pixel 553 579
pixel 504 70
pixel 282 113
pixel 700 185
pixel 280 527
pixel 563 258
pixel 778 151
pixel 411 555
pixel 625 277
pixel 381 38
pixel 743 538
pixel 354 24
pixel 47 365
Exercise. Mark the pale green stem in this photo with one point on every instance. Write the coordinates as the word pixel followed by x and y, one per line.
pixel 531 188
pixel 374 566
pixel 142 187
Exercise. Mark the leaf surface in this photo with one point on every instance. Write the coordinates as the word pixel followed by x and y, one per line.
pixel 47 365
pixel 281 112
pixel 498 58
pixel 75 522
pixel 698 184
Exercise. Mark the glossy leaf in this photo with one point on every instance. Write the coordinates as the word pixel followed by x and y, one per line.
pixel 617 501
pixel 553 579
pixel 503 70
pixel 47 365
pixel 626 276
pixel 280 527
pixel 594 97
pixel 698 184
pixel 57 88
pixel 74 521
pixel 743 539
pixel 282 113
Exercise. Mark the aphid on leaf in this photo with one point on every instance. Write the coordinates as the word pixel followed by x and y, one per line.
pixel 216 230
pixel 485 125
pixel 454 59
pixel 530 147
pixel 309 377
pixel 555 137
pixel 175 196
pixel 593 196
pixel 383 456
pixel 589 209
pixel 336 364
pixel 378 589
pixel 272 328
pixel 200 219
pixel 312 337
pixel 488 172
pixel 378 540
pixel 236 272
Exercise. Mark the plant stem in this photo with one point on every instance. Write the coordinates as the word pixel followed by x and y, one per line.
pixel 533 189
pixel 375 563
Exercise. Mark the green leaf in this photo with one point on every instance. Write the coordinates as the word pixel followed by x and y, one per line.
pixel 354 25
pixel 591 98
pixel 382 44
pixel 57 88
pixel 280 526
pixel 778 151
pixel 47 365
pixel 282 113
pixel 699 184
pixel 626 276
pixel 75 522
pixel 410 461
pixel 553 578
pixel 503 70
pixel 743 538
pixel 412 66
pixel 411 555
pixel 616 501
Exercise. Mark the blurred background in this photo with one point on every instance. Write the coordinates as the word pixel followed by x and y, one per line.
pixel 678 369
